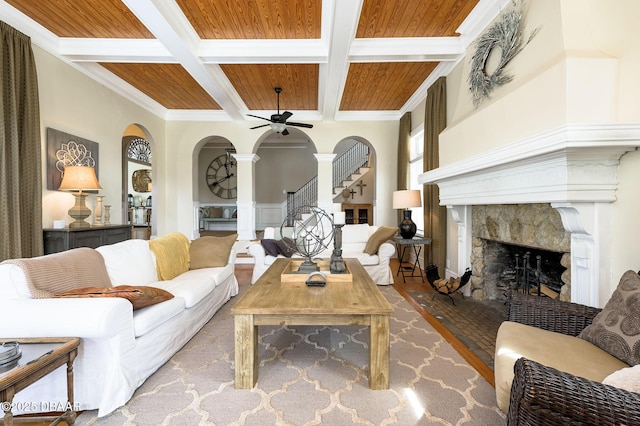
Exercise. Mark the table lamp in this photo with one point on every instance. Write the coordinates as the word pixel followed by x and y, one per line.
pixel 79 178
pixel 407 199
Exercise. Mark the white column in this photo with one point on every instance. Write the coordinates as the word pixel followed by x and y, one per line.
pixel 195 233
pixel 246 196
pixel 325 181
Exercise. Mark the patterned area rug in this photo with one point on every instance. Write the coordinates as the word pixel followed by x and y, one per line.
pixel 311 376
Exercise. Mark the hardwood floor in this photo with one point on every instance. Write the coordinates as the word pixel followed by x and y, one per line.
pixel 416 285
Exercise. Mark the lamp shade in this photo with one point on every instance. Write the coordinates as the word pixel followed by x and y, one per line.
pixel 79 178
pixel 406 199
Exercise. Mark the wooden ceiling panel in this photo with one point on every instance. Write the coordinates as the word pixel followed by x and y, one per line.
pixel 84 19
pixel 168 84
pixel 410 18
pixel 383 86
pixel 255 84
pixel 259 19
pixel 154 68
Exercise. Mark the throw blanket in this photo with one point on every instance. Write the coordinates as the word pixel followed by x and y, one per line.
pixel 59 272
pixel 172 255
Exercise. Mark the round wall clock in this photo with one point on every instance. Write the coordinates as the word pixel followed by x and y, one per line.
pixel 222 175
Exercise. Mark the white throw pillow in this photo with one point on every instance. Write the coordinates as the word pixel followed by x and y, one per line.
pixel 355 233
pixel 627 379
pixel 129 263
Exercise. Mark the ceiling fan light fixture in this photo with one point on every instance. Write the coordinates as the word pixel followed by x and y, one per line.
pixel 278 122
pixel 278 127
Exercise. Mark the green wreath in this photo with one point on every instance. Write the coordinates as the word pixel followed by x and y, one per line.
pixel 506 35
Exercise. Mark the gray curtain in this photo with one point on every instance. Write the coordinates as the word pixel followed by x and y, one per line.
pixel 404 139
pixel 20 162
pixel 435 215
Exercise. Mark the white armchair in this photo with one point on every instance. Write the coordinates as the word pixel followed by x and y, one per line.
pixel 354 240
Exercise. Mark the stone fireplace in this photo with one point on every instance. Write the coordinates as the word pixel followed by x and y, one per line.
pixel 502 236
pixel 557 186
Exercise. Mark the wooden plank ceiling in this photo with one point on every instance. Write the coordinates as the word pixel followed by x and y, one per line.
pixel 332 57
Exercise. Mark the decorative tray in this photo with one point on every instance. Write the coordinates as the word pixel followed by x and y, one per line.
pixel 291 274
pixel 9 352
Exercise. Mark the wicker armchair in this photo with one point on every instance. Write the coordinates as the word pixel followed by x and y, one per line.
pixel 542 395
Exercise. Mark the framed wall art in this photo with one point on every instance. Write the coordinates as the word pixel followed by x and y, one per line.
pixel 64 150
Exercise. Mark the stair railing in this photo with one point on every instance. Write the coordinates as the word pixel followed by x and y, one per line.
pixel 349 162
pixel 306 195
pixel 344 166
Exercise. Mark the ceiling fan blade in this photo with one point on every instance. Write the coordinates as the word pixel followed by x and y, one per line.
pixel 285 132
pixel 291 123
pixel 255 116
pixel 285 115
pixel 262 125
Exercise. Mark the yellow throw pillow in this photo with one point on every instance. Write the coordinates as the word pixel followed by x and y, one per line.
pixel 210 252
pixel 381 235
pixel 172 255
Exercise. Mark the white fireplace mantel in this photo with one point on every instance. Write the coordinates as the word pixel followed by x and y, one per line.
pixel 574 163
pixel 573 167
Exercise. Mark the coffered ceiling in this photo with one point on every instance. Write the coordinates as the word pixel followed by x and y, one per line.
pixel 221 59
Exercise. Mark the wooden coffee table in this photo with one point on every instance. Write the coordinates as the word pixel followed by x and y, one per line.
pixel 271 302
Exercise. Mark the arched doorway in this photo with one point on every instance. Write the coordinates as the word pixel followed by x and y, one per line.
pixel 215 186
pixel 286 166
pixel 137 181
pixel 355 180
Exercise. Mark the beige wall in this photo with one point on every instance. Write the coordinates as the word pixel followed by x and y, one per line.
pixel 76 104
pixel 581 68
pixel 73 103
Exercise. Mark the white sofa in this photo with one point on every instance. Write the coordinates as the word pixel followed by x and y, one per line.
pixel 354 240
pixel 120 347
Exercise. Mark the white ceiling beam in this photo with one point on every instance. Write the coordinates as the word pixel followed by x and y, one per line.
pixel 172 32
pixel 291 51
pixel 406 49
pixel 342 24
pixel 115 50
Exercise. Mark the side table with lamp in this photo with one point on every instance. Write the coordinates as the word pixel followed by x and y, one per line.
pixel 407 199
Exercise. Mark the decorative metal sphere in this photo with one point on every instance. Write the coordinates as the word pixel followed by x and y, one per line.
pixel 311 230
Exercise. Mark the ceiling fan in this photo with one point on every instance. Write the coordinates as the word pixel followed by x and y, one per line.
pixel 279 121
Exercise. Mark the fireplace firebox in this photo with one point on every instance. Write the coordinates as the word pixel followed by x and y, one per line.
pixel 526 269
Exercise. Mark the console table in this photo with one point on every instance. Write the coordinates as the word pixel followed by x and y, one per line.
pixel 57 240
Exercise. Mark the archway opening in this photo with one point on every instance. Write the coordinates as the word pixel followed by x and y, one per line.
pixel 287 166
pixel 216 186
pixel 355 179
pixel 137 181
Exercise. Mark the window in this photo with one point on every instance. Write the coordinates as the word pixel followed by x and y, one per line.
pixel 415 168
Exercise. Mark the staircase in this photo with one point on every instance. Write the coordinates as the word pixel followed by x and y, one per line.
pixel 347 169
